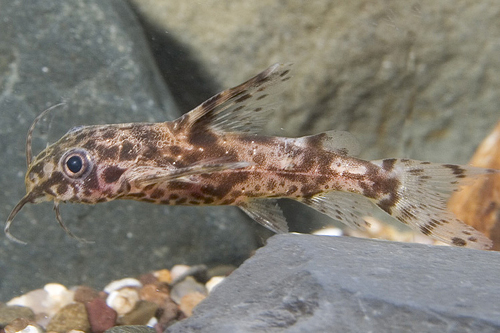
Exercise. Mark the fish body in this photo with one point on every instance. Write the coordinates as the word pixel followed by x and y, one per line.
pixel 214 155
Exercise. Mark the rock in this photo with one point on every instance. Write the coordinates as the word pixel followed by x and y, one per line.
pixel 190 301
pixel 189 285
pixel 71 317
pixel 214 282
pixel 221 270
pixel 84 294
pixel 93 55
pixel 155 293
pixel 169 312
pixel 9 313
pixel 140 315
pixel 23 325
pixel 122 283
pixel 131 329
pixel 479 203
pixel 163 275
pixel 305 283
pixel 123 300
pixel 386 71
pixel 101 317
pixel 180 272
pixel 47 301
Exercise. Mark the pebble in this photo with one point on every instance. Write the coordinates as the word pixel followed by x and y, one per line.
pixel 101 316
pixel 123 300
pixel 84 294
pixel 140 315
pixel 22 325
pixel 329 231
pixel 188 286
pixel 47 301
pixel 169 312
pixel 163 275
pixel 156 293
pixel 9 313
pixel 221 270
pixel 178 271
pixel 190 301
pixel 213 282
pixel 120 284
pixel 71 317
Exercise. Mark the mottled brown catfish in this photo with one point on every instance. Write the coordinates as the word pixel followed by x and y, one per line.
pixel 214 156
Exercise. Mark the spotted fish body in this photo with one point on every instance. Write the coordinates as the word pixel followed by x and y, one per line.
pixel 214 156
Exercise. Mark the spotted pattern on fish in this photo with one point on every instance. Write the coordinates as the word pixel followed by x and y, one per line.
pixel 214 155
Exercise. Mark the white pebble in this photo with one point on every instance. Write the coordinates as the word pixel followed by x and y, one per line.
pixel 213 282
pixel 119 284
pixel 178 270
pixel 152 322
pixel 329 232
pixel 46 301
pixel 123 300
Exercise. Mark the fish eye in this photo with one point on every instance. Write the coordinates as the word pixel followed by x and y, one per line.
pixel 76 163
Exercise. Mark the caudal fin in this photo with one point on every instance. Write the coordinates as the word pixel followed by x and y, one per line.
pixel 422 195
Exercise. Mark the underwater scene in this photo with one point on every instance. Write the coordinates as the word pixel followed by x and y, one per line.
pixel 236 166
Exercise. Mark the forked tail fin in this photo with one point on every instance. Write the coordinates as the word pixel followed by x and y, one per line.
pixel 422 195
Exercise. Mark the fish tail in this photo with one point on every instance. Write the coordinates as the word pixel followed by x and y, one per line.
pixel 419 196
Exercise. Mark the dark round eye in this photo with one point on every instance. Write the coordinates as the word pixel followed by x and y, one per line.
pixel 76 163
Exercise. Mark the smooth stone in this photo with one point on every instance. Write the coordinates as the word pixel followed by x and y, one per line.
pixel 9 313
pixel 101 316
pixel 187 286
pixel 140 315
pixel 306 283
pixel 190 301
pixel 71 317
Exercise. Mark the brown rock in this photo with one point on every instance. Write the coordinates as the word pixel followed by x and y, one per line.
pixel 71 317
pixel 479 204
pixel 140 315
pixel 190 301
pixel 164 276
pixel 84 294
pixel 148 278
pixel 101 316
pixel 188 286
pixel 9 313
pixel 169 313
pixel 155 293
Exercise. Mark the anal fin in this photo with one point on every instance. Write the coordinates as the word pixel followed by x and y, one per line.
pixel 267 213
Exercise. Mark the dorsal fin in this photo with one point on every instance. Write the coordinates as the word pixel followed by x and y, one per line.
pixel 241 108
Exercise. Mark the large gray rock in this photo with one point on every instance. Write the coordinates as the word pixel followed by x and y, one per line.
pixel 93 55
pixel 410 79
pixel 305 283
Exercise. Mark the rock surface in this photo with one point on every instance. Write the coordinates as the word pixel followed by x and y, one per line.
pixel 305 283
pixel 91 54
pixel 410 79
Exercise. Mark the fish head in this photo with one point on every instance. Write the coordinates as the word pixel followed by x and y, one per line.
pixel 83 166
pixel 77 168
